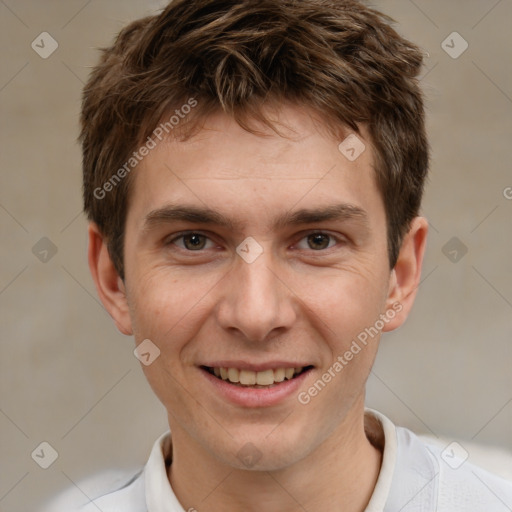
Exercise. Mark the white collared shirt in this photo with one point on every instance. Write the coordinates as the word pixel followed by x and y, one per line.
pixel 414 477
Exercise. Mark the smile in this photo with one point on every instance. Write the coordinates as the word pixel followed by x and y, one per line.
pixel 262 379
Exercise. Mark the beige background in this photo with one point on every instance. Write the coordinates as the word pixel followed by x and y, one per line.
pixel 69 378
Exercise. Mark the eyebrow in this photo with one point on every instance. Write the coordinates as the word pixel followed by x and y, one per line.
pixel 207 216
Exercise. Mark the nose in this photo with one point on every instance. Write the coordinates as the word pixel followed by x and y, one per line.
pixel 257 304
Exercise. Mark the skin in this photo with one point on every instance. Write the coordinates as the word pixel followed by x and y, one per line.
pixel 303 299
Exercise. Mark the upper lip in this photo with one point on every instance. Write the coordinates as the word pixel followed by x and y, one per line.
pixel 255 367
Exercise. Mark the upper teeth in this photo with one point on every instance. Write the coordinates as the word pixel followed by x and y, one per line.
pixel 250 378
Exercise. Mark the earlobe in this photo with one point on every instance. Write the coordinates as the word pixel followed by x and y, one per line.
pixel 405 276
pixel 110 287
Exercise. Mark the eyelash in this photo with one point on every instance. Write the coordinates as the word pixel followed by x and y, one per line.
pixel 185 233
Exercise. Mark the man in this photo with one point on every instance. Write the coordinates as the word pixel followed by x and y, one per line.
pixel 253 173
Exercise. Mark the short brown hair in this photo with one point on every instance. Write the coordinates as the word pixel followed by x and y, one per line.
pixel 338 57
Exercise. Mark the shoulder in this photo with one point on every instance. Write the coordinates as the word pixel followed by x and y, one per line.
pixel 118 491
pixel 466 486
pixel 111 491
pixel 451 481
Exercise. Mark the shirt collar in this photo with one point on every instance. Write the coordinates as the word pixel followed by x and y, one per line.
pixel 382 488
pixel 401 449
pixel 159 494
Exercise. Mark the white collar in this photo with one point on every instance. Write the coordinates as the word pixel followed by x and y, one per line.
pixel 161 498
pixel 159 494
pixel 382 488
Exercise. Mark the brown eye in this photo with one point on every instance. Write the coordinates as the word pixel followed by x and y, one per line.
pixel 191 241
pixel 194 241
pixel 318 241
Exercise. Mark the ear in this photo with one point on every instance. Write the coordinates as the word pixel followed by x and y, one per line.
pixel 405 276
pixel 109 285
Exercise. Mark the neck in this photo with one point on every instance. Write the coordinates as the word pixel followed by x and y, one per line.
pixel 339 474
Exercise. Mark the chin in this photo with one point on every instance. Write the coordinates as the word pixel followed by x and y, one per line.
pixel 271 448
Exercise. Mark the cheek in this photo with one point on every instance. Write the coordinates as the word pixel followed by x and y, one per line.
pixel 344 316
pixel 168 306
pixel 169 309
pixel 343 303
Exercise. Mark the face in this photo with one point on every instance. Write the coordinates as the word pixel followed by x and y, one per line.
pixel 266 257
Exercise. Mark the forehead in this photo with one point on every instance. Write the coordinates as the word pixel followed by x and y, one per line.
pixel 227 169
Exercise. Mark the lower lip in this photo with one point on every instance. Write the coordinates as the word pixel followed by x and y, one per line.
pixel 256 397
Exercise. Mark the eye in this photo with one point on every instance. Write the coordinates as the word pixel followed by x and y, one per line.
pixel 191 241
pixel 318 241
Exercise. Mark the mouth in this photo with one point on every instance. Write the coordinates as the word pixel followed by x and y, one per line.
pixel 265 379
